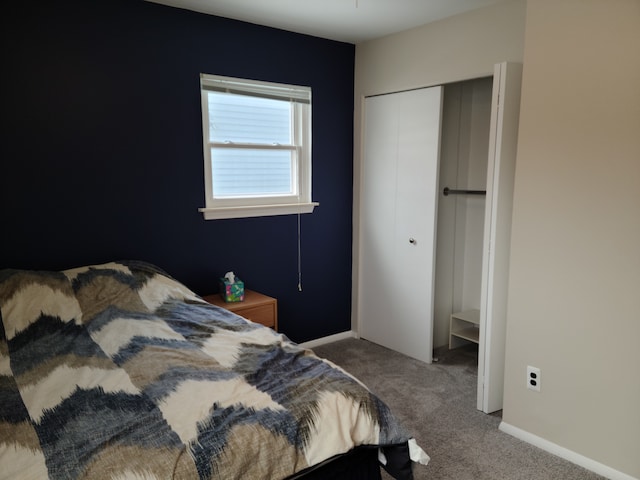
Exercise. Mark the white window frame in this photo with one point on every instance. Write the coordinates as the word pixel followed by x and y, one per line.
pixel 256 206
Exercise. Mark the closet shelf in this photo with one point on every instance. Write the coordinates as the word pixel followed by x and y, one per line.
pixel 464 326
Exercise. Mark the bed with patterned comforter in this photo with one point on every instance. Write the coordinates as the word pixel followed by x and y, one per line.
pixel 118 371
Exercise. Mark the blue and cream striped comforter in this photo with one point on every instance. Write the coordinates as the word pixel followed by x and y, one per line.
pixel 118 371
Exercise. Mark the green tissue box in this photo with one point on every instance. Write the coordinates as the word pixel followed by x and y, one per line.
pixel 232 292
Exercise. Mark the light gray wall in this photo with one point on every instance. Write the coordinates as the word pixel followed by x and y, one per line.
pixel 574 293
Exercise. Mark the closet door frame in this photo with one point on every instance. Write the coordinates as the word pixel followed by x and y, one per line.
pixel 497 232
pixel 505 112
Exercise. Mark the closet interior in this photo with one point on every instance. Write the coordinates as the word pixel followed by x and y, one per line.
pixel 462 183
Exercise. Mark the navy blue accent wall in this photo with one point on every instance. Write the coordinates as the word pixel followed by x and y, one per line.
pixel 101 151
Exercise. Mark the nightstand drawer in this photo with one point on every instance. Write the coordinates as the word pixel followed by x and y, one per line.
pixel 263 314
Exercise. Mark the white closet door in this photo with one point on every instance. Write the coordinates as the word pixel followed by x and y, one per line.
pixel 497 234
pixel 398 220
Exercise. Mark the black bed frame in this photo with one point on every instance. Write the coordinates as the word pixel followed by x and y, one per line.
pixel 359 464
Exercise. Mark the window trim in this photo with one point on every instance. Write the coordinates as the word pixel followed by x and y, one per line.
pixel 300 201
pixel 257 210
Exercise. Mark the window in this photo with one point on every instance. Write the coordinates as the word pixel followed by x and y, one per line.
pixel 257 148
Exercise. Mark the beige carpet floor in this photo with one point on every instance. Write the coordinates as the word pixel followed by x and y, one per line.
pixel 437 404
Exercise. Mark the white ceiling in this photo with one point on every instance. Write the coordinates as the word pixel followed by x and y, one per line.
pixel 351 21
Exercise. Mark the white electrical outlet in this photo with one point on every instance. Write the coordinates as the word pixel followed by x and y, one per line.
pixel 533 378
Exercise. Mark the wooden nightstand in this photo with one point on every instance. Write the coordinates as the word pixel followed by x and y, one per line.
pixel 256 307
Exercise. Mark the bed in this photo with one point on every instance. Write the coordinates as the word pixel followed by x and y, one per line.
pixel 119 371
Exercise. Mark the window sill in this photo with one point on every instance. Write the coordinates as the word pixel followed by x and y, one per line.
pixel 257 210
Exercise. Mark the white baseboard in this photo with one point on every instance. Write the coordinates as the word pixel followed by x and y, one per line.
pixel 311 344
pixel 562 452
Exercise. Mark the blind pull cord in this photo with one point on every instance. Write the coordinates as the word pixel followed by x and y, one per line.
pixel 299 258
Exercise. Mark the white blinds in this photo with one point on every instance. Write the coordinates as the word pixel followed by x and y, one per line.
pixel 243 119
pixel 255 88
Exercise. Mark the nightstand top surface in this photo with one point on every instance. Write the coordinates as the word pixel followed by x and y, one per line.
pixel 251 298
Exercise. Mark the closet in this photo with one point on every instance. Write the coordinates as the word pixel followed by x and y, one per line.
pixel 435 220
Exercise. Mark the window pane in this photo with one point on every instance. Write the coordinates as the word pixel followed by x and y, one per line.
pixel 245 119
pixel 246 172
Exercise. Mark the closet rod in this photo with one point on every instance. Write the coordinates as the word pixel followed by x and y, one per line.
pixel 449 191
